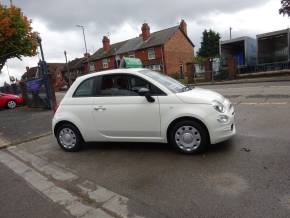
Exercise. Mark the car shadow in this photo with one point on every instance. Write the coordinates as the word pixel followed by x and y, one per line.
pixel 152 147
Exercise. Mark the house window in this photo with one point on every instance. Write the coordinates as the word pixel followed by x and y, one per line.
pixel 151 54
pixel 156 67
pixel 105 63
pixel 92 67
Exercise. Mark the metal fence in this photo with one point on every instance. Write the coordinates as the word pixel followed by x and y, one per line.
pixel 264 68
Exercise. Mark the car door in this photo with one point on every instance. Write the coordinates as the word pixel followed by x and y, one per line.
pixel 120 113
pixel 2 101
pixel 79 107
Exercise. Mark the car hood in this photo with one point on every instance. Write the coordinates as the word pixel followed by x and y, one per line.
pixel 200 96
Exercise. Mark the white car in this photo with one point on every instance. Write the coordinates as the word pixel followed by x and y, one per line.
pixel 140 105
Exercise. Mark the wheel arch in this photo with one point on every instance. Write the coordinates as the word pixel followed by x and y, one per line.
pixel 62 122
pixel 186 118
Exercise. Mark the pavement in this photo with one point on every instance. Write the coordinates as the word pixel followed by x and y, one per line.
pixel 247 176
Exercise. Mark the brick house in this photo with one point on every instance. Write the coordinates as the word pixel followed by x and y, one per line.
pixel 55 69
pixel 167 50
pixel 77 67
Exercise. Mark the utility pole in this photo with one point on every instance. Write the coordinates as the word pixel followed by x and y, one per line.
pixel 67 70
pixel 231 32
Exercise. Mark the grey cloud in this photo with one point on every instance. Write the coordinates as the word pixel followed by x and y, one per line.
pixel 107 14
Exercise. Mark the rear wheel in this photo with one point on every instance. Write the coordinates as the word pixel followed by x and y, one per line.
pixel 69 138
pixel 189 137
pixel 11 104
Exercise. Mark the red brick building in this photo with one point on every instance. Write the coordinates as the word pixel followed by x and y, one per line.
pixel 167 51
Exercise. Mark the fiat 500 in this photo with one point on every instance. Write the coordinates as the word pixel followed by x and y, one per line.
pixel 140 105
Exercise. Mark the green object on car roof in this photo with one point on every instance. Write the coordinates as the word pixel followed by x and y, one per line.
pixel 132 63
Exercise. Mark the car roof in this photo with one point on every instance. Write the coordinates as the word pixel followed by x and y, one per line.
pixel 115 71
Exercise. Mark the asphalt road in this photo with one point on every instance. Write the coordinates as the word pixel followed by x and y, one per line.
pixel 247 176
pixel 21 124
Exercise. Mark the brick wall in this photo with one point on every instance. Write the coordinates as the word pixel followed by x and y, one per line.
pixel 141 54
pixel 177 51
pixel 111 64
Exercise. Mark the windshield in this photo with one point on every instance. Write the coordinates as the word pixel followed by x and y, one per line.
pixel 170 83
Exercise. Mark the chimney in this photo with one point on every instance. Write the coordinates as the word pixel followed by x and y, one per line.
pixel 145 31
pixel 106 44
pixel 183 27
pixel 27 69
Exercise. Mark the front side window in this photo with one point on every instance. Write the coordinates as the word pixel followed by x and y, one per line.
pixel 85 89
pixel 125 85
pixel 151 54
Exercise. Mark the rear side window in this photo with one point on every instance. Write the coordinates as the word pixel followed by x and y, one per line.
pixel 85 89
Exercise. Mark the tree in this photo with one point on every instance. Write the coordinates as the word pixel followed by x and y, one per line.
pixel 16 36
pixel 210 44
pixel 285 8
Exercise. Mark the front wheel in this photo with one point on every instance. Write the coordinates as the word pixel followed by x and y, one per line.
pixel 69 138
pixel 189 137
pixel 11 104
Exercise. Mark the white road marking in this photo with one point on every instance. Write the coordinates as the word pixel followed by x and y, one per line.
pixel 264 103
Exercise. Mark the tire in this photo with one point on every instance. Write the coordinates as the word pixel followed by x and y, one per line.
pixel 69 138
pixel 11 104
pixel 189 137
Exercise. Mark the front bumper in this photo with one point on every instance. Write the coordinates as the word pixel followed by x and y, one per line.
pixel 219 131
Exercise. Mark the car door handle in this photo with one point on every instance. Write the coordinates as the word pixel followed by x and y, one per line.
pixel 99 108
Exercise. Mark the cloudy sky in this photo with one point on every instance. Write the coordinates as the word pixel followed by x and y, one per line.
pixel 56 22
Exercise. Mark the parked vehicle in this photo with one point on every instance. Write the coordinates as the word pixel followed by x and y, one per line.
pixel 10 101
pixel 140 105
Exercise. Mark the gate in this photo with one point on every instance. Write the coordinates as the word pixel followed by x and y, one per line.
pixel 38 92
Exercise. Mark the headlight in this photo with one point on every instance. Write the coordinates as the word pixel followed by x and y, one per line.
pixel 219 107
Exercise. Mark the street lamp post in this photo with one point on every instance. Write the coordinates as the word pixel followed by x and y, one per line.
pixel 84 35
pixel 83 29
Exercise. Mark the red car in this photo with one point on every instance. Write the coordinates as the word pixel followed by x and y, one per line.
pixel 10 101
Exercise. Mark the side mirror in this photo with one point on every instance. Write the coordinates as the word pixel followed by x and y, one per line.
pixel 146 93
